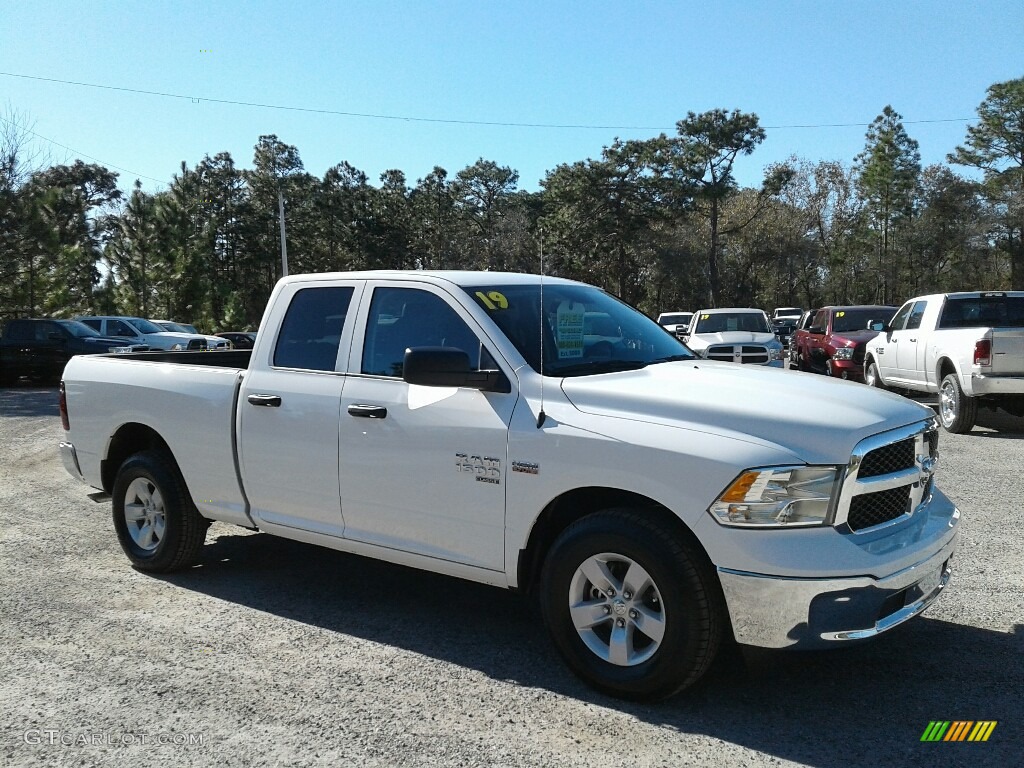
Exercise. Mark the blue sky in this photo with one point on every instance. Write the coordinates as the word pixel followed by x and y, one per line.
pixel 633 67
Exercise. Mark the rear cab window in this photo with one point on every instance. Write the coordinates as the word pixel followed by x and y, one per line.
pixel 985 311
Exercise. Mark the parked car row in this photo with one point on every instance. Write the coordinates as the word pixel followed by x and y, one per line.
pixel 39 348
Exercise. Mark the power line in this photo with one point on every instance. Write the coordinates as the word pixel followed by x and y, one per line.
pixel 449 121
pixel 82 154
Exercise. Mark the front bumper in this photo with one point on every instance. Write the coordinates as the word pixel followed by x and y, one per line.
pixel 69 458
pixel 846 369
pixel 774 612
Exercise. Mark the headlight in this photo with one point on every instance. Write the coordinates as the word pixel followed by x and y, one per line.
pixel 778 497
pixel 177 348
pixel 843 353
pixel 775 353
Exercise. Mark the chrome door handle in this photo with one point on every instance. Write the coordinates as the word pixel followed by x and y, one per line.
pixel 270 401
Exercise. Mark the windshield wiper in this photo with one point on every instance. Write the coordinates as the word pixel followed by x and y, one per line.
pixel 673 359
pixel 598 366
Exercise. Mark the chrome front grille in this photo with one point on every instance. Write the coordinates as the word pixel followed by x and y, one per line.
pixel 739 353
pixel 889 476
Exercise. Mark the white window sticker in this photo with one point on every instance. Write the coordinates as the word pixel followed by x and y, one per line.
pixel 569 330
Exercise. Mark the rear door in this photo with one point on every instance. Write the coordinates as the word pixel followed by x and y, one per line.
pixel 423 469
pixel 288 410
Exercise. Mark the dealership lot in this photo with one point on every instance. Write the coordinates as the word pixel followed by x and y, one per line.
pixel 275 652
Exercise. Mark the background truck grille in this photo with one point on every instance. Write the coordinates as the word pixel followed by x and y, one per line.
pixel 871 509
pixel 749 353
pixel 889 458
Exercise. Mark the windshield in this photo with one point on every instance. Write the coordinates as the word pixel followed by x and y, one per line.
pixel 587 331
pixel 680 318
pixel 176 327
pixel 725 322
pixel 846 320
pixel 791 311
pixel 77 329
pixel 144 326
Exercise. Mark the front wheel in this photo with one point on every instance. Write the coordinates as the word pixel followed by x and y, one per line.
pixel 871 377
pixel 157 524
pixel 634 611
pixel 957 412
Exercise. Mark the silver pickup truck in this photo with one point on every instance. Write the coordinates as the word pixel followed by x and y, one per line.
pixel 474 424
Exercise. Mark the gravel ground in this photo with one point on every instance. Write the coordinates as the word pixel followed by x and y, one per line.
pixel 277 653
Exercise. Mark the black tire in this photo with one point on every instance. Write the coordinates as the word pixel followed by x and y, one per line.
pixel 957 412
pixel 151 489
pixel 683 604
pixel 872 378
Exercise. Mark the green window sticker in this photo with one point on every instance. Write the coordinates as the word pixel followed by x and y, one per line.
pixel 569 329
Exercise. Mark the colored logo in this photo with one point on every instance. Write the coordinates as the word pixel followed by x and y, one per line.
pixel 959 730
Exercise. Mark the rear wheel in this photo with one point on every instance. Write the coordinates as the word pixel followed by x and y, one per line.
pixel 634 611
pixel 157 524
pixel 957 411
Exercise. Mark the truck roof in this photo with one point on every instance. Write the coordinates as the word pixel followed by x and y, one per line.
pixel 436 276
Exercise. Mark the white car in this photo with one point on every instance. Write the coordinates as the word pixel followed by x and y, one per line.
pixel 735 335
pixel 138 330
pixel 212 342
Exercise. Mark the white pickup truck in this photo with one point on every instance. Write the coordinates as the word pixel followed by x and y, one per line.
pixel 465 423
pixel 967 347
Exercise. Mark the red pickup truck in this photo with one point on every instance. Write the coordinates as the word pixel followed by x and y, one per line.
pixel 834 342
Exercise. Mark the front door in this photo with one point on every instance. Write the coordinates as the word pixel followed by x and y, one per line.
pixel 423 469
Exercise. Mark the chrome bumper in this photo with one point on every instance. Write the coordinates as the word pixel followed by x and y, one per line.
pixel 70 460
pixel 773 612
pixel 997 385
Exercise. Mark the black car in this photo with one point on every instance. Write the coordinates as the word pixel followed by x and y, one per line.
pixel 40 348
pixel 783 329
pixel 240 339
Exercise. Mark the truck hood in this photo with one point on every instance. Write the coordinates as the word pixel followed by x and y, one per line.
pixel 702 340
pixel 815 418
pixel 856 338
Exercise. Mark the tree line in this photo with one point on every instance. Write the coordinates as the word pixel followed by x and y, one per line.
pixel 660 222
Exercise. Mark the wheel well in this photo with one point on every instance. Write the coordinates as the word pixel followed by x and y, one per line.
pixel 576 504
pixel 945 367
pixel 127 441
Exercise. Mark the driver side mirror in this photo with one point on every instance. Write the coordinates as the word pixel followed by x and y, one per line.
pixel 877 325
pixel 449 367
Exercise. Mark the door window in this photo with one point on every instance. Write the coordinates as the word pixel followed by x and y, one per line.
pixel 901 317
pixel 401 318
pixel 914 320
pixel 120 328
pixel 311 331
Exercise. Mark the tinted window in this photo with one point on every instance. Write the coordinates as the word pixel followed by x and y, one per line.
pixel 92 322
pixel 859 318
pixel 983 312
pixel 820 322
pixel 20 331
pixel 401 318
pixel 311 331
pixel 914 321
pixel 120 328
pixel 901 317
pixel 77 329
